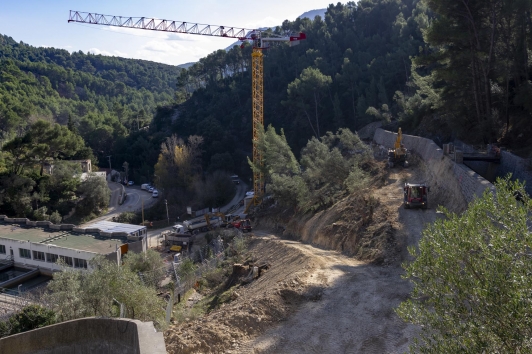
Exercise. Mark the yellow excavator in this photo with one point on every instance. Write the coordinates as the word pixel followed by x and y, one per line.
pixel 398 155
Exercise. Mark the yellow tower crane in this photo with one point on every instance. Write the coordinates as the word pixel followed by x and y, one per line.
pixel 258 39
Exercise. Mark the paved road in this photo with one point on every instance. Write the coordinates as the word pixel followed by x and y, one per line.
pixel 135 199
pixel 241 190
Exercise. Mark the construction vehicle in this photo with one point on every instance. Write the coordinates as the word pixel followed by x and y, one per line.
pixel 416 195
pixel 220 219
pixel 230 221
pixel 196 225
pixel 243 225
pixel 398 155
pixel 179 239
pixel 260 40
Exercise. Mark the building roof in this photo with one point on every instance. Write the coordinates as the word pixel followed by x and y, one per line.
pixel 83 242
pixel 110 226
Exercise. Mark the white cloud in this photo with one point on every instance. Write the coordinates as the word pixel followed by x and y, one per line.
pixel 115 53
pixel 98 51
pixel 171 52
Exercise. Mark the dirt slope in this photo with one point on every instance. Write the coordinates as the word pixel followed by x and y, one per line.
pixel 314 300
pixel 356 310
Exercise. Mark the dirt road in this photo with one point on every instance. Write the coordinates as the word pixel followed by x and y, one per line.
pixel 313 300
pixel 356 311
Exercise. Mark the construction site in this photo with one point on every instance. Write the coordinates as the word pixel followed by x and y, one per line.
pixel 256 275
pixel 333 280
pixel 328 282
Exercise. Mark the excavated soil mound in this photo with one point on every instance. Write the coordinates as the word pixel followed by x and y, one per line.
pixel 318 300
pixel 258 305
pixel 359 225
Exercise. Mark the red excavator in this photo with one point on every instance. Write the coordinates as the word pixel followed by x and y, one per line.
pixel 416 195
pixel 237 222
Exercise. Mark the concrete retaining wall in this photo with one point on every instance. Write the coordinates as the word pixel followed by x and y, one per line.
pixel 520 169
pixel 88 335
pixel 447 177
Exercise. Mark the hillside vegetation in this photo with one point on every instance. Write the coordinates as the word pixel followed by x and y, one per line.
pixel 375 60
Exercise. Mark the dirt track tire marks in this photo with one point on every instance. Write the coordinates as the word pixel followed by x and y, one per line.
pixel 356 311
pixel 354 314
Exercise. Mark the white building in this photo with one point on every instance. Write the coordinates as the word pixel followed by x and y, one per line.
pixel 34 246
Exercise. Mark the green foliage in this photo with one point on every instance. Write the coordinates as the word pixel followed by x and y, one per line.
pixel 150 264
pixel 55 217
pixel 15 195
pixel 28 318
pixel 329 168
pixel 76 294
pixel 476 64
pixel 471 277
pixel 95 194
pixel 355 57
pixel 237 248
pixel 306 92
pixel 128 217
pixel 186 270
pixel 54 83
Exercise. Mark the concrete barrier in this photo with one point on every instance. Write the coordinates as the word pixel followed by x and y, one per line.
pixel 447 176
pixel 92 229
pixel 21 220
pixel 44 223
pixel 520 169
pixel 88 335
pixel 67 226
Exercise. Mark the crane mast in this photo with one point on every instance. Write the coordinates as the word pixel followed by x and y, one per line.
pixel 257 66
pixel 257 99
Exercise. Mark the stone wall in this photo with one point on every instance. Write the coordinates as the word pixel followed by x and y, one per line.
pixel 88 335
pixel 447 178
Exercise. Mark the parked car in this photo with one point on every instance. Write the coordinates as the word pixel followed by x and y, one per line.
pixel 155 193
pixel 251 193
pixel 130 183
pixel 151 189
pixel 235 179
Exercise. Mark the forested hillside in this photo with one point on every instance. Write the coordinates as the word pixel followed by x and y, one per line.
pixel 97 92
pixel 470 77
pixel 438 68
pixel 353 59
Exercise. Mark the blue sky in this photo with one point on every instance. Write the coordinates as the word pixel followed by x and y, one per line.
pixel 44 23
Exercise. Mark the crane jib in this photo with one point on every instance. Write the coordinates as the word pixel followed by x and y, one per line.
pixel 257 36
pixel 153 24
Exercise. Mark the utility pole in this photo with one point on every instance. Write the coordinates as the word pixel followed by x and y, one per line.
pixel 167 216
